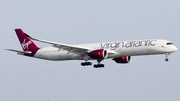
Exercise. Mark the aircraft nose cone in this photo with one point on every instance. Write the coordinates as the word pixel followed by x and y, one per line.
pixel 175 48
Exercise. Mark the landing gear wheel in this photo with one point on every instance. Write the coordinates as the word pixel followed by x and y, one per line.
pixel 167 59
pixel 95 66
pixel 89 63
pixel 99 66
pixel 102 65
pixel 82 64
pixel 86 64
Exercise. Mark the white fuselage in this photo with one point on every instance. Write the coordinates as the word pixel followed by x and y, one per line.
pixel 122 48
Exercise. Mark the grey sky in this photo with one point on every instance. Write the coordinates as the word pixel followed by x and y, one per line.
pixel 146 78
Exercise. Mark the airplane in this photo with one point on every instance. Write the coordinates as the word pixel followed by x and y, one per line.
pixel 120 51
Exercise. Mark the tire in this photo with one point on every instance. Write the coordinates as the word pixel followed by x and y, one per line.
pixel 95 66
pixel 166 59
pixel 82 64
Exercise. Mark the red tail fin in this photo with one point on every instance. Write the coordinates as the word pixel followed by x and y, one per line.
pixel 26 43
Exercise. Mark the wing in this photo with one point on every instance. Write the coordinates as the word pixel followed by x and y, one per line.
pixel 81 51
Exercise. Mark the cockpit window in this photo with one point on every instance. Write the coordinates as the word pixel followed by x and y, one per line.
pixel 169 43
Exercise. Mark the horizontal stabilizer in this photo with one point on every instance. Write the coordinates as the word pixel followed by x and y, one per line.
pixel 26 52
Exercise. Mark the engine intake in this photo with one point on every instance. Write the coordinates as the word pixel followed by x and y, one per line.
pixel 124 59
pixel 98 54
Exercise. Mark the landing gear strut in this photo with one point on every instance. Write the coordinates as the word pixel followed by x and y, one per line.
pixel 166 59
pixel 99 65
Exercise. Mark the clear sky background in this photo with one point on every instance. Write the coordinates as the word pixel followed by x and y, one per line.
pixel 146 78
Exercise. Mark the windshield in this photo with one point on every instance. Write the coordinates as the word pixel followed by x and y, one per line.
pixel 169 43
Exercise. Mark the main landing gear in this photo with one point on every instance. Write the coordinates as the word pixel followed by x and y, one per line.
pixel 166 59
pixel 86 63
pixel 99 65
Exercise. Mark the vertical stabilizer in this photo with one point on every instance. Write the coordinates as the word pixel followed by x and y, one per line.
pixel 26 43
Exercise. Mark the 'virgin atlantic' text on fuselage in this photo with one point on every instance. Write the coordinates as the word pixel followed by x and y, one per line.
pixel 128 44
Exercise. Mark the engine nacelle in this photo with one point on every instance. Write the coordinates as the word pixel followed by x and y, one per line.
pixel 98 54
pixel 124 59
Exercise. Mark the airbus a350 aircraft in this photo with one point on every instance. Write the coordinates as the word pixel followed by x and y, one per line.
pixel 120 51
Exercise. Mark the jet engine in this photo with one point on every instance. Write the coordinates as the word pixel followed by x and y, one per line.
pixel 98 54
pixel 124 59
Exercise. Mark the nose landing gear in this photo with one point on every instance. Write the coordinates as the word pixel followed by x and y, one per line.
pixel 166 59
